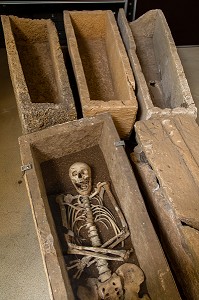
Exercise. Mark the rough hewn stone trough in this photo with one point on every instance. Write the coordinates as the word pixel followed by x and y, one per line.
pixel 103 73
pixel 162 88
pixel 168 163
pixel 38 73
pixel 63 143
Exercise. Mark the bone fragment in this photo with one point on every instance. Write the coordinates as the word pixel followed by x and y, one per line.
pixel 122 253
pixel 94 254
pixel 116 207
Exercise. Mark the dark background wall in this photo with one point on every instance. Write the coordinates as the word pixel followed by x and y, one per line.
pixel 182 17
pixel 50 11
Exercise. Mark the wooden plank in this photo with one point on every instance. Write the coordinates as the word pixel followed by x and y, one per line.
pixel 38 73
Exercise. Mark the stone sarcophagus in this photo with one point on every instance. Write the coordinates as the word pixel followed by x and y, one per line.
pixel 162 88
pixel 38 73
pixel 167 161
pixel 102 70
pixel 62 195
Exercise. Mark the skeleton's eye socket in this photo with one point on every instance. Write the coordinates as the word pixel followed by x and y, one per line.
pixel 85 172
pixel 74 173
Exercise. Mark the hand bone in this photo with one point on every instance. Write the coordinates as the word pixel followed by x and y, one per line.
pixel 98 188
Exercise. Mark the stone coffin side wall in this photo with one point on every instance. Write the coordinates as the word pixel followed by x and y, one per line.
pixel 162 88
pixel 167 160
pixel 103 73
pixel 38 73
pixel 61 141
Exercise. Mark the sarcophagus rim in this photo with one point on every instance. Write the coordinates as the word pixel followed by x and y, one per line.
pixel 61 140
pixel 124 106
pixel 35 115
pixel 169 175
pixel 178 88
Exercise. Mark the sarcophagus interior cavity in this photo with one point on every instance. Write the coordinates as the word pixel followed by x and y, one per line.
pixel 103 73
pixel 50 153
pixel 38 73
pixel 162 87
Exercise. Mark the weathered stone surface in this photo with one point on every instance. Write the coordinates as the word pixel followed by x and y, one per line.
pixel 167 160
pixel 103 73
pixel 38 73
pixel 191 236
pixel 62 140
pixel 162 88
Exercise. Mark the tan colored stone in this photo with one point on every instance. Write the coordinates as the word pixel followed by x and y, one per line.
pixel 162 88
pixel 167 160
pixel 103 73
pixel 192 240
pixel 62 140
pixel 38 73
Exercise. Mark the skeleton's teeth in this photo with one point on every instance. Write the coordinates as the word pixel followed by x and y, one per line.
pixel 82 186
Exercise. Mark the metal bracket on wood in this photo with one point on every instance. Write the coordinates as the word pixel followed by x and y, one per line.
pixel 119 143
pixel 25 168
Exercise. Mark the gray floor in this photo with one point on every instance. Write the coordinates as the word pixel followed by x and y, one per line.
pixel 190 61
pixel 22 275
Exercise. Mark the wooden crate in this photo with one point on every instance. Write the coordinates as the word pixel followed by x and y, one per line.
pixel 162 88
pixel 167 160
pixel 62 145
pixel 103 73
pixel 38 73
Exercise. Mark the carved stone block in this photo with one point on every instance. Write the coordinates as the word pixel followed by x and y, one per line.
pixel 50 152
pixel 162 88
pixel 38 73
pixel 168 163
pixel 103 73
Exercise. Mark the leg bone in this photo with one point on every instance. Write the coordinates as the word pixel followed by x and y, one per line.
pixel 114 203
pixel 121 253
pixel 94 254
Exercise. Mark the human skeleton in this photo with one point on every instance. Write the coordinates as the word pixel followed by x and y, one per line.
pixel 83 212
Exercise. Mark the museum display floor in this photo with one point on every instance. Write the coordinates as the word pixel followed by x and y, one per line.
pixel 22 276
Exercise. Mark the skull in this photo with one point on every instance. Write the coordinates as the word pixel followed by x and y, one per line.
pixel 80 175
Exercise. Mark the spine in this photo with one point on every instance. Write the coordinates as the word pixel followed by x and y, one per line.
pixel 102 264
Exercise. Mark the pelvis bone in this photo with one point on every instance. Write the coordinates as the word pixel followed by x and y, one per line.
pixel 124 284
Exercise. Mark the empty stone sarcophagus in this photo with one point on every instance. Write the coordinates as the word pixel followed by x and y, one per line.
pixel 167 161
pixel 103 73
pixel 38 73
pixel 49 153
pixel 162 88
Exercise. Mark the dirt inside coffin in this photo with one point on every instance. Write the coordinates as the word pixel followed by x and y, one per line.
pixel 96 68
pixel 90 32
pixel 35 56
pixel 57 181
pixel 158 59
pixel 148 61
